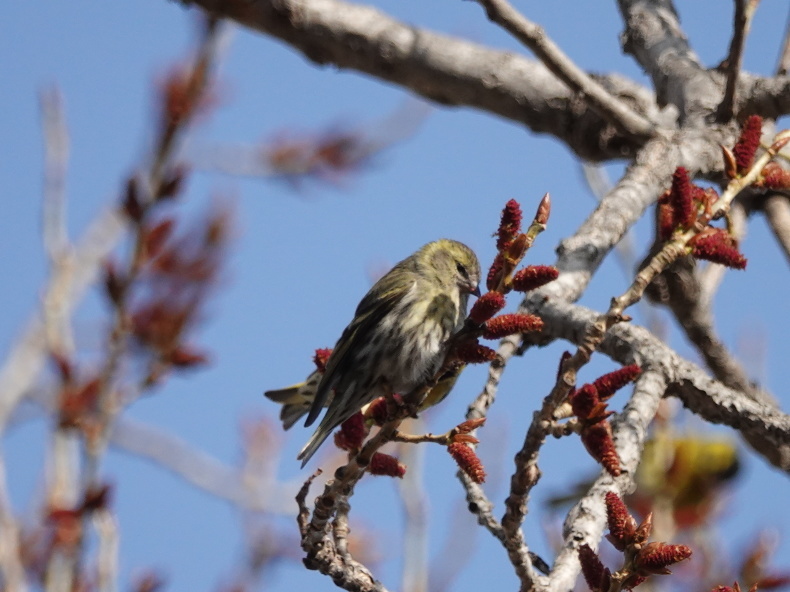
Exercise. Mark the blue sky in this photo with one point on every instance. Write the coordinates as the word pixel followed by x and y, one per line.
pixel 302 260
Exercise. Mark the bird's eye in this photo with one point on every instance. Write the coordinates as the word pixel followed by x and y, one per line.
pixel 462 270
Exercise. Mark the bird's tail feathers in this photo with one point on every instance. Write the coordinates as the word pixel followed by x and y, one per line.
pixel 291 413
pixel 321 434
pixel 284 395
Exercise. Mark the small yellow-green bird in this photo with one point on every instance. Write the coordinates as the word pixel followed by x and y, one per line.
pixel 298 398
pixel 399 334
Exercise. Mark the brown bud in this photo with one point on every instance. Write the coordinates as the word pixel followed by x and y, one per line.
pixel 544 210
pixel 132 204
pixel 187 357
pixel 470 425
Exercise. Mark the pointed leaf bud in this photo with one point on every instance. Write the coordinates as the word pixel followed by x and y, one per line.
pixel 470 425
pixel 114 284
pixel 172 184
pixel 187 357
pixel 132 204
pixel 643 531
pixel 544 210
pixel 154 237
pixel 730 164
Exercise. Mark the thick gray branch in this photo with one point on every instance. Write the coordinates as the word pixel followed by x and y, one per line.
pixel 67 286
pixel 586 520
pixel 444 69
pixel 643 182
pixel 535 38
pixel 767 97
pixel 654 36
pixel 764 427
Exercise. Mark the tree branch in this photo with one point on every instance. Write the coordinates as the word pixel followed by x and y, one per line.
pixel 586 520
pixel 645 179
pixel 444 69
pixel 765 428
pixel 201 470
pixel 654 37
pixel 742 19
pixel 768 97
pixel 777 213
pixel 626 121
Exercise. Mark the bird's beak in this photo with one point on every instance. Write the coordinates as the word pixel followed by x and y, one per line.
pixel 476 291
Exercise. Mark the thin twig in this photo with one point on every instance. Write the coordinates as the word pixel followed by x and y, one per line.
pixel 763 426
pixel 527 472
pixel 534 37
pixel 442 439
pixel 586 520
pixel 63 493
pixel 30 352
pixel 56 156
pixel 201 470
pixel 439 67
pixel 198 81
pixel 601 186
pixel 744 11
pixel 477 501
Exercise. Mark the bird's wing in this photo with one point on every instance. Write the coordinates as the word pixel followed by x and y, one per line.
pixel 379 301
